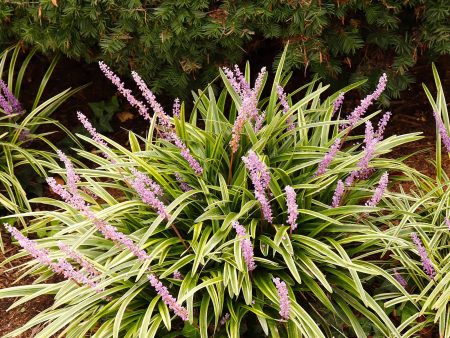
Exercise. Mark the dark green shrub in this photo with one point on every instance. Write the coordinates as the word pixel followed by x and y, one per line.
pixel 178 44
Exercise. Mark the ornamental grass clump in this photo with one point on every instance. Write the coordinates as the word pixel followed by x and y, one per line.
pixel 248 245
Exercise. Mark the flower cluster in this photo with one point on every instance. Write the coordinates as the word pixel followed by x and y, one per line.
pixel 338 102
pixel 363 169
pixel 382 125
pixel 8 102
pixel 291 201
pixel 167 298
pixel 285 105
pixel 176 108
pixel 283 298
pixel 177 275
pixel 78 258
pixel 246 246
pixel 183 185
pixel 323 166
pixel 359 111
pixel 42 256
pixel 442 131
pixel 260 178
pixel 400 279
pixel 248 112
pixel 148 191
pixel 379 191
pixel 426 262
pixel 338 193
pixel 73 198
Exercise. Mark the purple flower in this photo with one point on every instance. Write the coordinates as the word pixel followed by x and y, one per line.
pixel 328 157
pixel 177 275
pixel 224 319
pixel 426 262
pixel 185 152
pixel 8 102
pixel 338 103
pixel 363 169
pixel 176 108
pixel 149 191
pixel 285 105
pixel 78 258
pixel 382 125
pixel 246 246
pixel 167 298
pixel 74 199
pixel 447 222
pixel 139 105
pixel 183 185
pixel 400 279
pixel 379 191
pixel 96 137
pixel 443 131
pixel 359 111
pixel 283 298
pixel 291 201
pixel 248 111
pixel 260 178
pixel 336 200
pixel 42 256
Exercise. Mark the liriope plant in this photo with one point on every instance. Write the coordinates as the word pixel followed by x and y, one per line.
pixel 21 141
pixel 422 255
pixel 249 216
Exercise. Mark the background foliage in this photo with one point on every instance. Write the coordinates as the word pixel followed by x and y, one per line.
pixel 178 44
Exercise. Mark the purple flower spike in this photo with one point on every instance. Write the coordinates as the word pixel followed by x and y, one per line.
pixel 92 131
pixel 78 258
pixel 400 279
pixel 285 105
pixel 338 103
pixel 149 191
pixel 224 319
pixel 336 200
pixel 382 125
pixel 426 262
pixel 291 201
pixel 167 298
pixel 442 131
pixel 248 110
pixel 8 102
pixel 260 178
pixel 246 246
pixel 176 108
pixel 139 105
pixel 379 191
pixel 283 298
pixel 359 111
pixel 183 185
pixel 323 166
pixel 177 275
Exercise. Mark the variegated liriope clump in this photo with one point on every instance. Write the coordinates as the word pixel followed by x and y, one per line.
pixel 420 245
pixel 250 216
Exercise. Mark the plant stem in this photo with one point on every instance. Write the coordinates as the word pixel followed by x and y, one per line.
pixel 230 170
pixel 179 236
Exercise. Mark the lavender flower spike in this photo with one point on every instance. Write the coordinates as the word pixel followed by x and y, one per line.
pixel 400 279
pixel 285 105
pixel 8 102
pixel 443 131
pixel 359 111
pixel 426 262
pixel 447 222
pixel 176 108
pixel 382 125
pixel 328 157
pixel 260 178
pixel 167 298
pixel 246 246
pixel 291 200
pixel 382 185
pixel 183 185
pixel 139 105
pixel 78 258
pixel 336 200
pixel 283 298
pixel 338 103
